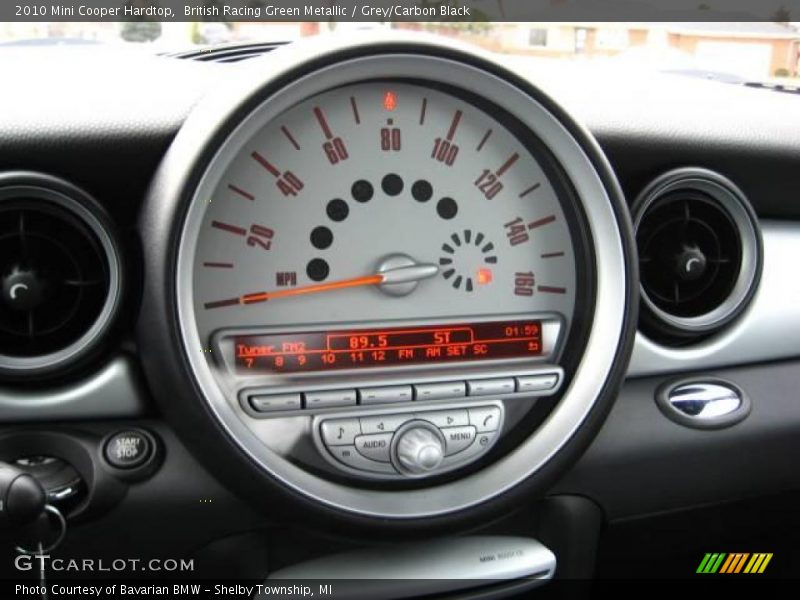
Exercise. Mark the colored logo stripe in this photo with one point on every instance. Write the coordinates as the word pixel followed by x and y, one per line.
pixel 758 563
pixel 710 563
pixel 736 562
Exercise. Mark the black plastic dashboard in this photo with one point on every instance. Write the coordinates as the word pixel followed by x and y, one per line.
pixel 125 108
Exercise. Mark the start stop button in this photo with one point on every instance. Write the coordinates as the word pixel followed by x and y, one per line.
pixel 128 449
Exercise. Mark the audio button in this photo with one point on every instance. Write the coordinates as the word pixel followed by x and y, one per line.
pixel 374 447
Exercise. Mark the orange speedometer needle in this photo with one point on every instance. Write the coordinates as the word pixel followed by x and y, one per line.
pixel 312 289
pixel 397 275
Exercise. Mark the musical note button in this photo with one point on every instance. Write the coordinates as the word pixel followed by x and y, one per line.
pixel 340 432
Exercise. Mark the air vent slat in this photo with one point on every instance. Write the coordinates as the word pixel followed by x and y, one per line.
pixel 50 265
pixel 59 270
pixel 692 239
pixel 699 251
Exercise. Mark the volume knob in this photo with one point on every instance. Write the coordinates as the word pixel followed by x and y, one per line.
pixel 419 449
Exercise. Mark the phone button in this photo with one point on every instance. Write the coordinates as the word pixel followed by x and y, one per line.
pixel 485 418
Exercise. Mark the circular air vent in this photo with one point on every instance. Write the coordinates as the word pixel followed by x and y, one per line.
pixel 60 275
pixel 699 254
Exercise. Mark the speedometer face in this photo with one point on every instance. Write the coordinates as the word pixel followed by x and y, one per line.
pixel 385 204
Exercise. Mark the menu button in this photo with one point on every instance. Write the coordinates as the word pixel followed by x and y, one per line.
pixel 458 438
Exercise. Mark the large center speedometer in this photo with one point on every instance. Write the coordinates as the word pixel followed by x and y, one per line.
pixel 397 275
pixel 383 202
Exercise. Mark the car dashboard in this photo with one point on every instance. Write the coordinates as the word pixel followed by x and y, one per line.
pixel 383 291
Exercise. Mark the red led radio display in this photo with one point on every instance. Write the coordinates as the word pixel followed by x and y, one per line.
pixel 350 349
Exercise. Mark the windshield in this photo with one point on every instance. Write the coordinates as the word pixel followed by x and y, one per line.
pixel 737 52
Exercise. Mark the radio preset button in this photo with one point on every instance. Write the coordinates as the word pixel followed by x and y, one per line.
pixel 350 457
pixel 537 383
pixel 384 423
pixel 374 447
pixel 329 398
pixel 458 438
pixel 445 418
pixel 340 432
pixel 491 387
pixel 485 418
pixel 384 395
pixel 274 402
pixel 440 391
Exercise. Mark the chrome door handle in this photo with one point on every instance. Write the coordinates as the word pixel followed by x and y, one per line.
pixel 703 403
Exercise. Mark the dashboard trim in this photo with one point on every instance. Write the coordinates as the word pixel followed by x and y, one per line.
pixel 115 391
pixel 767 330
